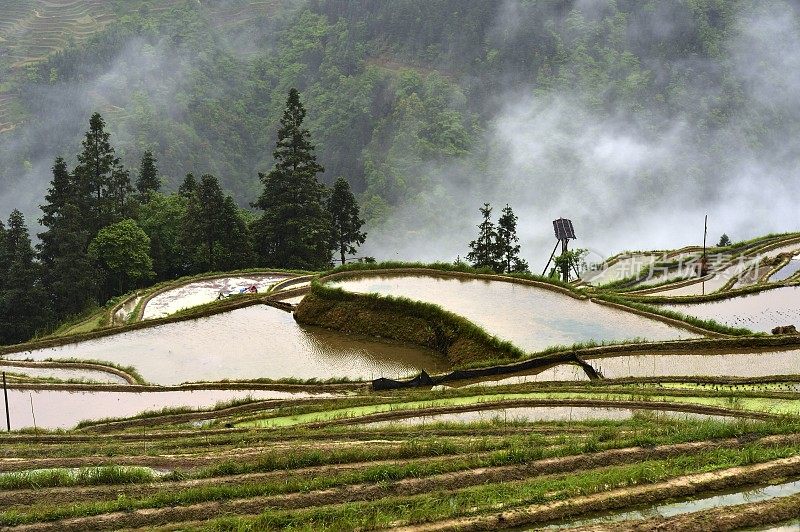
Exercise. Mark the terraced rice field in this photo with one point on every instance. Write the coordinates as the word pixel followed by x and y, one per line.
pixel 692 430
pixel 760 312
pixel 530 317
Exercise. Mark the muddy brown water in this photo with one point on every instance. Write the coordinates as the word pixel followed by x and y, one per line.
pixel 530 317
pixel 540 413
pixel 249 343
pixel 204 291
pixel 759 312
pixel 59 409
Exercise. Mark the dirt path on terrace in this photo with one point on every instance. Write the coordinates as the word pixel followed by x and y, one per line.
pixel 684 486
pixel 447 481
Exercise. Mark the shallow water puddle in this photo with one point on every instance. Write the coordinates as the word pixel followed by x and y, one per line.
pixel 760 312
pixel 530 317
pixel 685 507
pixel 60 409
pixel 249 343
pixel 204 291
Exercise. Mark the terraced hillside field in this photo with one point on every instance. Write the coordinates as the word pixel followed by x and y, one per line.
pixel 409 397
pixel 32 30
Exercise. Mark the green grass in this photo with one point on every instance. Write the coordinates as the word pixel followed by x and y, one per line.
pixel 496 401
pixel 509 451
pixel 92 476
pixel 390 511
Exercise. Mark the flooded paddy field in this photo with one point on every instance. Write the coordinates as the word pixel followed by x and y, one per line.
pixel 60 409
pixel 759 312
pixel 530 317
pixel 666 364
pixel 63 374
pixel 787 271
pixel 204 291
pixel 249 343
pixel 622 269
pixel 123 312
pixel 540 414
pixel 558 373
pixel 671 509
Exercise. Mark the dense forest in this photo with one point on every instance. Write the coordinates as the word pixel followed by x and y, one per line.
pixel 408 97
pixel 104 236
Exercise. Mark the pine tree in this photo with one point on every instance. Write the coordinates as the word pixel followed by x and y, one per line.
pixel 724 241
pixel 507 244
pixel 5 258
pixel 23 305
pixel 188 187
pixel 148 181
pixel 118 196
pixel 101 177
pixel 295 229
pixel 215 235
pixel 67 272
pixel 484 248
pixel 345 219
pixel 63 191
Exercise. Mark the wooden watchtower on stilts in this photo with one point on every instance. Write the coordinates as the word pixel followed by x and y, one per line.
pixel 564 233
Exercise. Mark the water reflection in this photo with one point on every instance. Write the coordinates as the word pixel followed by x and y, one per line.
pixel 667 364
pixel 758 312
pixel 64 374
pixel 541 413
pixel 58 409
pixel 249 343
pixel 530 317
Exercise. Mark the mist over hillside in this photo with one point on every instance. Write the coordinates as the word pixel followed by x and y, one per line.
pixel 632 118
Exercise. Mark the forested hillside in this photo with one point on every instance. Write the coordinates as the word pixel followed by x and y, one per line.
pixel 429 107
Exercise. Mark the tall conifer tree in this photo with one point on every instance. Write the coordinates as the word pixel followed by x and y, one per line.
pixel 215 235
pixel 484 248
pixel 346 221
pixel 101 178
pixel 23 303
pixel 508 243
pixel 148 181
pixel 295 229
pixel 67 271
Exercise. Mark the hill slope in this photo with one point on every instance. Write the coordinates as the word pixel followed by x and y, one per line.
pixel 425 106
